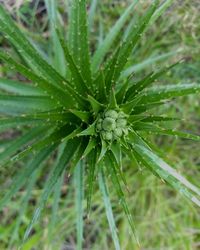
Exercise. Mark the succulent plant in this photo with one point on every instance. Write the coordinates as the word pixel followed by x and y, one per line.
pixel 88 111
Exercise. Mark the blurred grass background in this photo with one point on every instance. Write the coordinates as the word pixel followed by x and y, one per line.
pixel 164 219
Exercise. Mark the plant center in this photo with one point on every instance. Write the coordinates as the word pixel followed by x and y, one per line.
pixel 112 125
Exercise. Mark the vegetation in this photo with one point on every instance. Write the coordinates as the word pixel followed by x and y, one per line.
pixel 86 114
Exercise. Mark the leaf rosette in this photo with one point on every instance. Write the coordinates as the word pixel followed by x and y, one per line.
pixel 86 108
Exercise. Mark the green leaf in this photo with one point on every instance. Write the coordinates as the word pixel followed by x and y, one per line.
pixel 6 124
pixel 104 148
pixel 24 202
pixel 72 135
pixel 118 62
pixel 96 106
pixel 15 105
pixel 78 81
pixel 142 108
pixel 149 79
pixel 68 152
pixel 92 159
pixel 161 10
pixel 110 69
pixel 116 150
pixel 20 88
pixel 55 207
pixel 152 128
pixel 22 141
pixel 79 172
pixel 169 174
pixel 79 153
pixel 150 118
pixel 108 207
pixel 73 27
pixel 57 52
pixel 21 178
pixel 83 115
pixel 129 107
pixel 100 87
pixel 122 92
pixel 79 39
pixel 153 118
pixel 92 13
pixel 117 185
pixel 57 95
pixel 169 91
pixel 58 135
pixel 117 158
pixel 148 62
pixel 90 147
pixel 34 59
pixel 133 137
pixel 91 130
pixel 55 117
pixel 113 101
pixel 111 37
pixel 135 118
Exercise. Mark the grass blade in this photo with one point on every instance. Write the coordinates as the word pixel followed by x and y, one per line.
pixel 21 141
pixel 68 152
pixel 20 179
pixel 108 207
pixel 148 62
pixel 57 52
pixel 116 64
pixel 111 37
pixel 92 14
pixel 55 207
pixel 24 201
pixel 161 10
pixel 79 171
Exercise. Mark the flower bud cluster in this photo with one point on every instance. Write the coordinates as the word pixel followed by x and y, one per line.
pixel 112 125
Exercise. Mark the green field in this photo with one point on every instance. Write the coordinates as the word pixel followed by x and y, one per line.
pixel 164 219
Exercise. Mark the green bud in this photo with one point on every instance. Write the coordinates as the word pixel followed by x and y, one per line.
pixel 107 136
pixel 121 123
pixel 109 124
pixel 112 125
pixel 118 132
pixel 112 114
pixel 121 114
pixel 99 124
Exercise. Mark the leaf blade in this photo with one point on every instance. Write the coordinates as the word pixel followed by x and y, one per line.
pixel 110 38
pixel 108 207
